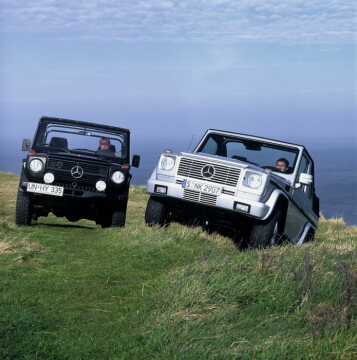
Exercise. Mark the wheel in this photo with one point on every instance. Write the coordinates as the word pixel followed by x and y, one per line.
pixel 310 236
pixel 241 237
pixel 266 233
pixel 23 209
pixel 118 218
pixel 155 213
pixel 113 219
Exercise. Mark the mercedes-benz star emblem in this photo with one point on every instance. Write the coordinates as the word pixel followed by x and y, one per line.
pixel 207 171
pixel 77 172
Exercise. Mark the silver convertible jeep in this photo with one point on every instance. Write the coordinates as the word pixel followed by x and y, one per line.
pixel 261 190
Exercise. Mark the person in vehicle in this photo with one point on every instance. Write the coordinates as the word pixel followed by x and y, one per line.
pixel 104 144
pixel 282 165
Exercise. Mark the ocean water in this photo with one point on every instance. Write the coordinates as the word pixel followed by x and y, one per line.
pixel 335 173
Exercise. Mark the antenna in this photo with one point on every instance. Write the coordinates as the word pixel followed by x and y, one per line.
pixel 188 147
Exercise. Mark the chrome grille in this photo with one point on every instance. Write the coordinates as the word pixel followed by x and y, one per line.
pixel 200 197
pixel 224 175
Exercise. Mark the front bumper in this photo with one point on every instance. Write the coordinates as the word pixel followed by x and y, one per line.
pixel 78 192
pixel 223 201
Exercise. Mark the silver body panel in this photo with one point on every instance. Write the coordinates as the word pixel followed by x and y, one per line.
pixel 229 176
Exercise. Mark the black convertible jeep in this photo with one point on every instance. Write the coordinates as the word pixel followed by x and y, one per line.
pixel 75 169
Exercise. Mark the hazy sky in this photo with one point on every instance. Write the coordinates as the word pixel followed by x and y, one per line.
pixel 175 68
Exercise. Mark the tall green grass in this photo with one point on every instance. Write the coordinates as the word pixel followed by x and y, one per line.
pixel 76 291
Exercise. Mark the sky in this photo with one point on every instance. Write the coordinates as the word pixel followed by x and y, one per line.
pixel 171 69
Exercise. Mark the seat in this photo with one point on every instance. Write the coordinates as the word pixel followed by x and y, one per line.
pixel 59 142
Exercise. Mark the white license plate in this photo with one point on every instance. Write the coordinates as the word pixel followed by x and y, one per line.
pixel 201 186
pixel 45 189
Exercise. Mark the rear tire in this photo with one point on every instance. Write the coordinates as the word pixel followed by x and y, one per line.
pixel 267 233
pixel 23 209
pixel 156 212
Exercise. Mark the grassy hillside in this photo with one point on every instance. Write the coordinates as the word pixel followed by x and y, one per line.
pixel 76 291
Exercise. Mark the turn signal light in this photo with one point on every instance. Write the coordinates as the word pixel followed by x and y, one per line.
pixel 32 152
pixel 126 166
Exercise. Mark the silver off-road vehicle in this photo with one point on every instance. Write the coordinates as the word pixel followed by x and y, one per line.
pixel 261 190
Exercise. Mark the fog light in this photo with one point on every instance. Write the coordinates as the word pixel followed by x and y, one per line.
pixel 161 189
pixel 48 178
pixel 241 207
pixel 100 185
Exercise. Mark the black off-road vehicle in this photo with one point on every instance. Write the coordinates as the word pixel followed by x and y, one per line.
pixel 67 173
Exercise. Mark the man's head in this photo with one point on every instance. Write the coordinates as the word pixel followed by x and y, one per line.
pixel 282 164
pixel 104 144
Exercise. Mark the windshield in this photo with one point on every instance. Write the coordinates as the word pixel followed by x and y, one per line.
pixel 276 158
pixel 85 140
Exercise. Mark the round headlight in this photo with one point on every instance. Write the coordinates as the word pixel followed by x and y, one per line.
pixel 118 177
pixel 36 165
pixel 167 163
pixel 49 178
pixel 254 181
pixel 100 185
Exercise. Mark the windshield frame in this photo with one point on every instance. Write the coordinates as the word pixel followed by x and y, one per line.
pixel 66 125
pixel 297 149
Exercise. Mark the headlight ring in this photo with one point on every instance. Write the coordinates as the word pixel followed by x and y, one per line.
pixel 118 177
pixel 254 181
pixel 36 165
pixel 167 163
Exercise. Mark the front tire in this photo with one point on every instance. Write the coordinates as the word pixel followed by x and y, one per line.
pixel 23 209
pixel 118 218
pixel 156 212
pixel 267 233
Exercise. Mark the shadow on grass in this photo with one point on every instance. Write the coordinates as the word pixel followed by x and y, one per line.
pixel 64 226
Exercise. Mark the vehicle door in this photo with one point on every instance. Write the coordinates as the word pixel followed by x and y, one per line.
pixel 309 189
pixel 300 191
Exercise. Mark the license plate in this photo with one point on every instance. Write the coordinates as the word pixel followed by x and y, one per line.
pixel 201 186
pixel 45 189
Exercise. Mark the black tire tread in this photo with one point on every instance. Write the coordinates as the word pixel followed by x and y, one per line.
pixel 261 233
pixel 155 213
pixel 23 209
pixel 118 218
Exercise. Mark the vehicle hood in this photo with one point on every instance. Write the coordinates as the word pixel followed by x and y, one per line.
pixel 220 160
pixel 80 156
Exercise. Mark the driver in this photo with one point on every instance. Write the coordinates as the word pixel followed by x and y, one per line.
pixel 282 165
pixel 104 144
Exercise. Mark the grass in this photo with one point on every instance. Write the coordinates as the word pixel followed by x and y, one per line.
pixel 76 291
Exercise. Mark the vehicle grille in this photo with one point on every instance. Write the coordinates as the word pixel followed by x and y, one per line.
pixel 76 190
pixel 200 197
pixel 78 187
pixel 61 169
pixel 224 175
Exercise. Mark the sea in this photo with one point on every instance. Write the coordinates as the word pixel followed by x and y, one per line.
pixel 335 173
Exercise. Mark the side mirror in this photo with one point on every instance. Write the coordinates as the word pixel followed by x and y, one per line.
pixel 26 144
pixel 305 179
pixel 136 161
